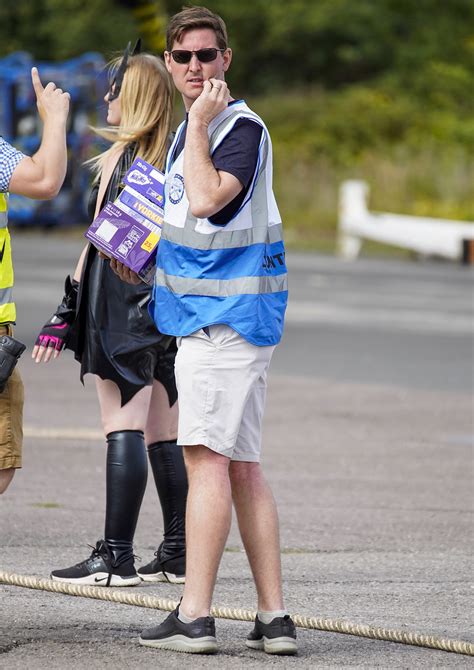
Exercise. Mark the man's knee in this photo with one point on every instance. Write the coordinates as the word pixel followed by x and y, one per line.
pixel 6 477
pixel 245 472
pixel 198 457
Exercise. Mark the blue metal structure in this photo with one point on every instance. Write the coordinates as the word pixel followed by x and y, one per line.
pixel 85 79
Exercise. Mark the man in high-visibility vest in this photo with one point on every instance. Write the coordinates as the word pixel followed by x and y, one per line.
pixel 39 176
pixel 221 289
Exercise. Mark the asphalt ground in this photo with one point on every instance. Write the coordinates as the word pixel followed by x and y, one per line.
pixel 367 445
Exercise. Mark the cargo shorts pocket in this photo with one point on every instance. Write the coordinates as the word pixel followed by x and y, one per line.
pixel 11 422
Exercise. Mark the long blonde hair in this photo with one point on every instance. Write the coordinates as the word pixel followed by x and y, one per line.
pixel 146 103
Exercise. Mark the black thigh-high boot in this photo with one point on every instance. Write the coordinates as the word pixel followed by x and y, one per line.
pixel 127 472
pixel 169 472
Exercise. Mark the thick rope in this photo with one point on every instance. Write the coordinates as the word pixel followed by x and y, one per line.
pixel 329 625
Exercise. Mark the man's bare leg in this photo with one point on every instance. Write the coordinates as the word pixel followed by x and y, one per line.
pixel 258 524
pixel 5 478
pixel 208 519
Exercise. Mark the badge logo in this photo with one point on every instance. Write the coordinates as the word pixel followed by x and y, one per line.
pixel 176 189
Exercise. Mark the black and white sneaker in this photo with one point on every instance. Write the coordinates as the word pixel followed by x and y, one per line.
pixel 99 569
pixel 197 637
pixel 165 568
pixel 276 637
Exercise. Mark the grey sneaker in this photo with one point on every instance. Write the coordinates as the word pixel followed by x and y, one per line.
pixel 276 637
pixel 197 637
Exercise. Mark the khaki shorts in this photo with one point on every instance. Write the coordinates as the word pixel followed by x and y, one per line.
pixel 222 383
pixel 11 418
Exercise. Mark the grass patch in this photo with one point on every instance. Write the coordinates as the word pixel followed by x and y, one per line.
pixel 46 505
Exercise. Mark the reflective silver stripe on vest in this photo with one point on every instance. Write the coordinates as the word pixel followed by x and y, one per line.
pixel 222 287
pixel 6 295
pixel 3 219
pixel 223 239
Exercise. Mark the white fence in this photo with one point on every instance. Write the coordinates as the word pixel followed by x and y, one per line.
pixel 426 236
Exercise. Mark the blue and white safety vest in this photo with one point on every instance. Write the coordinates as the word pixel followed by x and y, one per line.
pixel 233 274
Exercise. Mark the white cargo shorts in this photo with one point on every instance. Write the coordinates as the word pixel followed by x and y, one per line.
pixel 222 383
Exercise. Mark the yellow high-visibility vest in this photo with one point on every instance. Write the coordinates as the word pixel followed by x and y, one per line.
pixel 7 306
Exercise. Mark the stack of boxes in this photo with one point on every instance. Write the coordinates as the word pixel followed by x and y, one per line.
pixel 129 228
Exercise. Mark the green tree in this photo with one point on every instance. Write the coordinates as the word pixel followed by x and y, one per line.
pixel 61 29
pixel 334 43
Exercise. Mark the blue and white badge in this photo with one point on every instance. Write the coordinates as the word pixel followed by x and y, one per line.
pixel 176 189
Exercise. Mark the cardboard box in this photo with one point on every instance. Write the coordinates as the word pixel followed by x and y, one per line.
pixel 129 229
pixel 136 206
pixel 147 180
pixel 126 238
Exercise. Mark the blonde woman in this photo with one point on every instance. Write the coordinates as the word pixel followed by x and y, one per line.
pixel 107 325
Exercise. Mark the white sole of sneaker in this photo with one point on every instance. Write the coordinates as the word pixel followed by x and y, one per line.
pixel 163 577
pixel 100 579
pixel 201 645
pixel 284 646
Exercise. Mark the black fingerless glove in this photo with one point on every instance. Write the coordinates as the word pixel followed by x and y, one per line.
pixel 10 352
pixel 55 332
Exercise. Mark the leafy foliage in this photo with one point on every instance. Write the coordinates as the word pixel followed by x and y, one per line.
pixel 377 90
pixel 60 29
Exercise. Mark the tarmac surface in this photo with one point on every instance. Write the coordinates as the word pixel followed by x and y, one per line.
pixel 367 445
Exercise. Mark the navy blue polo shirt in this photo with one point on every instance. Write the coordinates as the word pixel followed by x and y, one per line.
pixel 236 154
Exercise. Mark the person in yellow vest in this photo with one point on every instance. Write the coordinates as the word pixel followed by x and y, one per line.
pixel 39 176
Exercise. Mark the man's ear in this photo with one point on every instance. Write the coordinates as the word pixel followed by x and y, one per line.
pixel 167 56
pixel 227 57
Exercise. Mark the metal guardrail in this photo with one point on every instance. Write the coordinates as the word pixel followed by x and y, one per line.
pixel 445 238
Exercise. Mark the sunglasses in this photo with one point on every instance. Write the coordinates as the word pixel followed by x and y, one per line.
pixel 183 56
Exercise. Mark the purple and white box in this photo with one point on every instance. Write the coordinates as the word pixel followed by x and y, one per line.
pixel 129 229
pixel 126 238
pixel 146 180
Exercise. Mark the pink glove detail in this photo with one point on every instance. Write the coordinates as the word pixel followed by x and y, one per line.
pixel 53 334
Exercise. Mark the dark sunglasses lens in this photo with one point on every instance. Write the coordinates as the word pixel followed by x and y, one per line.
pixel 181 56
pixel 206 55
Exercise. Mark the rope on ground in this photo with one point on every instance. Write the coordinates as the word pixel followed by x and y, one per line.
pixel 152 602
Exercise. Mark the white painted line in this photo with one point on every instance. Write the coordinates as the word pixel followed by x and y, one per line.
pixel 63 433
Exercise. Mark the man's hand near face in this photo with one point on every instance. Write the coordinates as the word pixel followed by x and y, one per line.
pixel 211 102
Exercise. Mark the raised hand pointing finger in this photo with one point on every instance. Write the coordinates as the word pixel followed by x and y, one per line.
pixel 51 101
pixel 37 85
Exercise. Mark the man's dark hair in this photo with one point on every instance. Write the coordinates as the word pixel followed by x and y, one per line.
pixel 190 18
